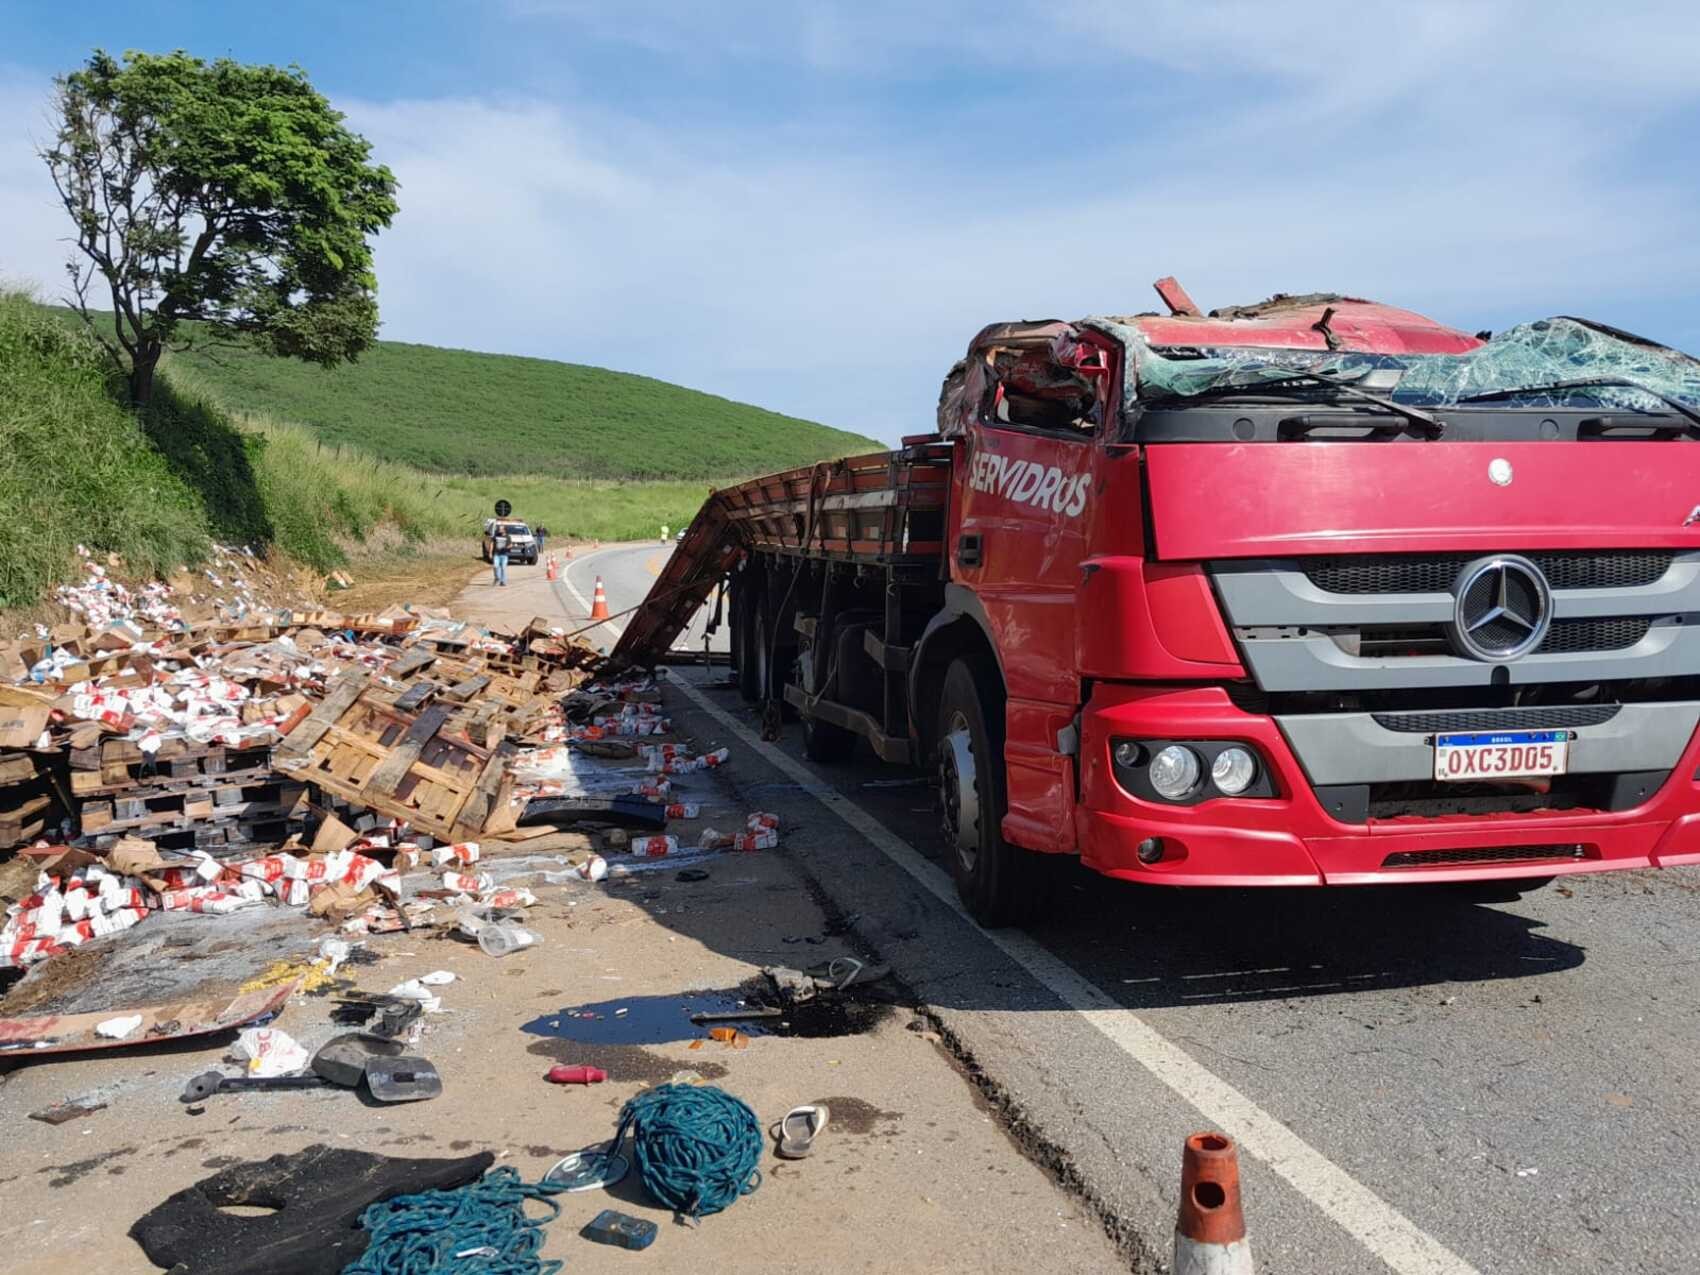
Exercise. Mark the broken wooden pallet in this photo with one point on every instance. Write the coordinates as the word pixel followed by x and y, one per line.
pixel 175 756
pixel 359 746
pixel 115 766
pixel 150 810
pixel 24 811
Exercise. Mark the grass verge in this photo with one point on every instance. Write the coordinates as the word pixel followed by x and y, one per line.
pixel 75 468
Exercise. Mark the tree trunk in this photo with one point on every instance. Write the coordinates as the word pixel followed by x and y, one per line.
pixel 141 373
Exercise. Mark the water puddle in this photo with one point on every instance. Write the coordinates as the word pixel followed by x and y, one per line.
pixel 637 1020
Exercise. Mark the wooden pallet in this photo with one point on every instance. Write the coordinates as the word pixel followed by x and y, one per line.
pixel 24 811
pixel 114 773
pixel 357 745
pixel 16 768
pixel 150 810
pixel 485 706
pixel 229 839
pixel 176 757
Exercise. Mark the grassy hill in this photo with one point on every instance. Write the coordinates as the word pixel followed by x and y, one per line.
pixel 75 469
pixel 401 456
pixel 458 412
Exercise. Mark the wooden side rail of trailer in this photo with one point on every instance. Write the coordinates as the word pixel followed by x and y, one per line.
pixel 834 568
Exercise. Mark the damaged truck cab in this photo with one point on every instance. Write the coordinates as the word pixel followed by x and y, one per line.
pixel 1314 592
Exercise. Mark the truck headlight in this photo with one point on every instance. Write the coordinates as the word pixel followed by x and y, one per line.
pixel 1174 771
pixel 1232 771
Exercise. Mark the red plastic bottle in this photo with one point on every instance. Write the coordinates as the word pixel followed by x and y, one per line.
pixel 577 1074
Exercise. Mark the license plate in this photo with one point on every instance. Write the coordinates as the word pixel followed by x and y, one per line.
pixel 1506 754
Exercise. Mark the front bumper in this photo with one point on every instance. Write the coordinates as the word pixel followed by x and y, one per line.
pixel 1291 840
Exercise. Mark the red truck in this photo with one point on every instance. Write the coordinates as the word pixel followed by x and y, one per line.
pixel 1310 592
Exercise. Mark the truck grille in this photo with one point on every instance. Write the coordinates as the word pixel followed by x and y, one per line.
pixel 1434 573
pixel 1594 635
pixel 1559 717
pixel 1485 855
pixel 1564 637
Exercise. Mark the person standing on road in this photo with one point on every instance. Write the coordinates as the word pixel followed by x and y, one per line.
pixel 542 538
pixel 499 554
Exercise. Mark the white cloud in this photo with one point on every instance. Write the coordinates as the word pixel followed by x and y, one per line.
pixel 32 223
pixel 1482 162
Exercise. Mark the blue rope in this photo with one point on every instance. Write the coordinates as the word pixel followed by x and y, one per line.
pixel 422 1234
pixel 695 1147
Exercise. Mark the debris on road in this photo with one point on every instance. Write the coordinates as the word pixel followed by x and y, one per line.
pixel 70 1109
pixel 696 1148
pixel 622 1230
pixel 314 1200
pixel 204 750
pixel 795 1134
pixel 71 1033
pixel 575 1074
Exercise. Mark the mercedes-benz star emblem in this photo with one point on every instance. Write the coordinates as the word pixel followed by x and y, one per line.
pixel 1502 610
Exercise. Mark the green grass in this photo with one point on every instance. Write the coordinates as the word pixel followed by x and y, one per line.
pixel 219 452
pixel 457 412
pixel 77 469
pixel 354 496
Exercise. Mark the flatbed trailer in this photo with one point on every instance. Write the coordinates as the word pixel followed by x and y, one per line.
pixel 848 551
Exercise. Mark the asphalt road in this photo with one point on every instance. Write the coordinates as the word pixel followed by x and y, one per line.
pixel 627 572
pixel 1419 1084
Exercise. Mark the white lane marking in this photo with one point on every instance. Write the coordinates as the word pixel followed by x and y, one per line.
pixel 1364 1215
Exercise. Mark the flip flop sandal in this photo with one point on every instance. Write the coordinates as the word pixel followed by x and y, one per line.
pixel 796 1133
pixel 845 970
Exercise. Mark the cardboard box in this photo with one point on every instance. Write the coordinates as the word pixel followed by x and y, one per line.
pixel 22 727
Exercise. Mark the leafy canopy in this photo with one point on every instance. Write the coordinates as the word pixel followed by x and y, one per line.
pixel 219 192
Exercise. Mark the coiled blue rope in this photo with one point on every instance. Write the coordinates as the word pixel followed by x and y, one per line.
pixel 695 1147
pixel 478 1229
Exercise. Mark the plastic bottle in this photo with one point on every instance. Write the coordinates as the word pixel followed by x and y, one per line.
pixel 498 938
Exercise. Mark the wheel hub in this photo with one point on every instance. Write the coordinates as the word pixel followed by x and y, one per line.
pixel 959 794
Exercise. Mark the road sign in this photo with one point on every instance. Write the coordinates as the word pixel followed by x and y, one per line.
pixel 503 509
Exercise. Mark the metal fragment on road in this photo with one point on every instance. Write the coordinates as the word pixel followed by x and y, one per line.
pixel 587 1170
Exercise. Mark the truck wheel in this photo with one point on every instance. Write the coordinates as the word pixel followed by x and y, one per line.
pixel 746 608
pixel 827 743
pixel 997 881
pixel 760 675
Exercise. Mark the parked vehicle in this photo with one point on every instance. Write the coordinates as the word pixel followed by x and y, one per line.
pixel 1315 591
pixel 522 544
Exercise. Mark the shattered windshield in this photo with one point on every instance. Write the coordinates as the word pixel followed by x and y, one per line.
pixel 1529 356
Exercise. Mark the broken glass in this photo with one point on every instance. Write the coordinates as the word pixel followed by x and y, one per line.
pixel 1530 356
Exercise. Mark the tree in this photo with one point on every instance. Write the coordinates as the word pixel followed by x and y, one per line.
pixel 227 194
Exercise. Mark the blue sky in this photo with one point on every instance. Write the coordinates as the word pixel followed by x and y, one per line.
pixel 814 206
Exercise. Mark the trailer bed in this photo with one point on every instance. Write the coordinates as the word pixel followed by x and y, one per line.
pixel 884 508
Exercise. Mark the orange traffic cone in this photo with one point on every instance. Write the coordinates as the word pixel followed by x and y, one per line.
pixel 550 569
pixel 1210 1234
pixel 599 602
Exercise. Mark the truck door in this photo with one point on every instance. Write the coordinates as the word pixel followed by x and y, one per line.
pixel 1022 514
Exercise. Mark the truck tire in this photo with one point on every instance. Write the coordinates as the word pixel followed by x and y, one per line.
pixel 746 607
pixel 760 677
pixel 827 743
pixel 999 883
